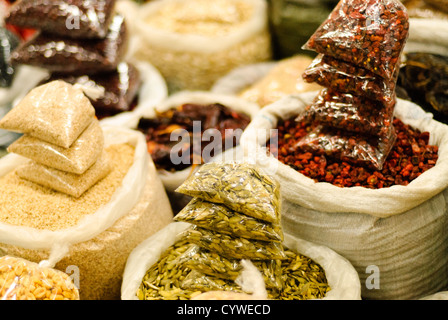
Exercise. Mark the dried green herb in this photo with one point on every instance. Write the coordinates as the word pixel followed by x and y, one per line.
pixel 219 218
pixel 240 186
pixel 197 281
pixel 233 247
pixel 212 264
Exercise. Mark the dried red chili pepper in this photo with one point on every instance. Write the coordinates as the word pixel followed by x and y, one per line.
pixel 342 76
pixel 411 148
pixel 367 33
pixel 216 116
pixel 351 113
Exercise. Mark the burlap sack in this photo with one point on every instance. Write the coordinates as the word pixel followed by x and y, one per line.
pixel 395 237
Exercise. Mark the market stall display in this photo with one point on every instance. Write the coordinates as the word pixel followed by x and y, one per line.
pixel 87 48
pixel 194 44
pixel 198 263
pixel 62 219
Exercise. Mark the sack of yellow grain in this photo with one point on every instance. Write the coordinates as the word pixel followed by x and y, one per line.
pixel 90 236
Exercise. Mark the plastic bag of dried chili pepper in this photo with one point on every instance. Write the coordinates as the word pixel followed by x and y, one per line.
pixel 345 77
pixel 351 113
pixel 401 226
pixel 77 56
pixel 349 147
pixel 71 18
pixel 370 34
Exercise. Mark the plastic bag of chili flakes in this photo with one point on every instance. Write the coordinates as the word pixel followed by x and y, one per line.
pixel 342 76
pixel 367 33
pixel 352 113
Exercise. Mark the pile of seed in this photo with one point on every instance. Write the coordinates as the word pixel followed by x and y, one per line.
pixel 24 203
pixel 410 156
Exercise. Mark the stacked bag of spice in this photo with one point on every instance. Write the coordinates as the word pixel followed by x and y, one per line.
pixel 74 195
pixel 80 42
pixel 354 112
pixel 21 279
pixel 233 219
pixel 387 221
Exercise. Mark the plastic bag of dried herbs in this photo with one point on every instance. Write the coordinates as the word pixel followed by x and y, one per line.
pixel 341 76
pixel 63 232
pixel 241 187
pixel 166 245
pixel 193 44
pixel 358 222
pixel 220 218
pixel 74 18
pixel 189 160
pixel 212 264
pixel 370 34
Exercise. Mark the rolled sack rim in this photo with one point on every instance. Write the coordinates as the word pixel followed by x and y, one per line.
pixel 326 197
pixel 196 43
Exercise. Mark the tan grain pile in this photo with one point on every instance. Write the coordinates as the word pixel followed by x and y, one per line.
pixel 25 203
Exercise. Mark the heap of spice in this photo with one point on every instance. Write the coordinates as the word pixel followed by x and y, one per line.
pixel 207 256
pixel 410 156
pixel 363 53
pixel 193 120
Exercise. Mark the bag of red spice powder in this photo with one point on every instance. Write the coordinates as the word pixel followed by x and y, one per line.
pixel 391 234
pixel 367 33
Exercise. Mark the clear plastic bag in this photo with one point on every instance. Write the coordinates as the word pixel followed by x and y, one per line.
pixel 21 279
pixel 120 88
pixel 369 34
pixel 240 186
pixel 212 264
pixel 73 18
pixel 198 281
pixel 342 76
pixel 76 56
pixel 233 247
pixel 65 182
pixel 81 155
pixel 351 113
pixel 219 218
pixel 340 144
pixel 56 112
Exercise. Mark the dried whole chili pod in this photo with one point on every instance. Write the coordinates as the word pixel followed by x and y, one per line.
pixel 341 145
pixel 342 76
pixel 370 34
pixel 350 113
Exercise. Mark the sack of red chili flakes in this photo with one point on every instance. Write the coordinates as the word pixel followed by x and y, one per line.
pixel 368 33
pixel 390 234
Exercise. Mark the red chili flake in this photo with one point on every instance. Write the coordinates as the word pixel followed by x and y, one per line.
pixel 368 33
pixel 351 113
pixel 403 164
pixel 342 76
